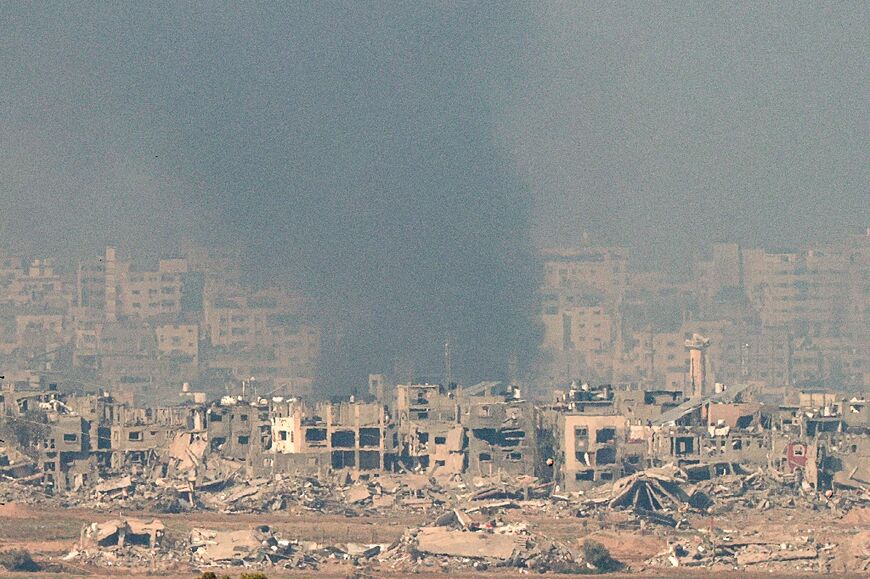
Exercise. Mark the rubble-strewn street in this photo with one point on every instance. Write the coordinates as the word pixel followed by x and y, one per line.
pixel 416 289
pixel 426 478
pixel 652 521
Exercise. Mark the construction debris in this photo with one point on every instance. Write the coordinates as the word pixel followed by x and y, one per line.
pixel 703 465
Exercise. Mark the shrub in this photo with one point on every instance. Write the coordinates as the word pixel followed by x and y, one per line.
pixel 18 560
pixel 597 555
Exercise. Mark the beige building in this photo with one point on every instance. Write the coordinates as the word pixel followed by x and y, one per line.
pixel 593 446
pixel 152 294
pixel 346 435
pixel 587 270
pixel 178 340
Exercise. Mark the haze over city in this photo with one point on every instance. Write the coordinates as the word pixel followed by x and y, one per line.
pixel 382 288
pixel 406 161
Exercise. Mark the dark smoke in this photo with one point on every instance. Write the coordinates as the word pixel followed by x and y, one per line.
pixel 348 148
pixel 413 228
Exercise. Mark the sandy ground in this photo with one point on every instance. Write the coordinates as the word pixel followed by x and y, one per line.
pixel 50 533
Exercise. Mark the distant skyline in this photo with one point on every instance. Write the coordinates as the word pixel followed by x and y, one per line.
pixel 404 160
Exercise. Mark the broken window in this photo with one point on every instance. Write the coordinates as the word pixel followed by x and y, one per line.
pixel 440 440
pixel 369 460
pixel 369 437
pixel 104 438
pixel 343 458
pixel 798 450
pixel 604 435
pixel 745 421
pixel 343 439
pixel 244 439
pixel 315 435
pixel 485 457
pixel 423 437
pixel 483 410
pixel 282 435
pixel 243 417
pixel 513 435
pixel 605 456
pixel 684 445
pixel 506 437
pixel 584 475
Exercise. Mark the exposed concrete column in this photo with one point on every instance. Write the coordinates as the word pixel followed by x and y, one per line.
pixel 356 441
pixel 383 429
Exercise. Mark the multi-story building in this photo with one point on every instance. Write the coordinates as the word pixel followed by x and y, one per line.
pixel 178 341
pixel 153 294
pixel 356 435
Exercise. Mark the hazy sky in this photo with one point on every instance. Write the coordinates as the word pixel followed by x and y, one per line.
pixel 664 125
pixel 397 158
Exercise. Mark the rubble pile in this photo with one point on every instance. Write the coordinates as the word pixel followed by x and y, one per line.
pixel 127 543
pixel 479 524
pixel 456 539
pixel 461 545
pixel 654 495
pixel 720 549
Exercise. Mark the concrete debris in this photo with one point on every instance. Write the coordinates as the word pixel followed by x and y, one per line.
pixel 471 528
pixel 464 477
pixel 119 533
pixel 357 494
pixel 120 485
pixel 210 547
pixel 443 541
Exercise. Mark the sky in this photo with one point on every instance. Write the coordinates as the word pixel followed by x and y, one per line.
pixel 401 162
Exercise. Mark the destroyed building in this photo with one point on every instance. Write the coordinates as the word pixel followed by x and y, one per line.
pixel 427 414
pixel 501 430
pixel 330 436
pixel 587 437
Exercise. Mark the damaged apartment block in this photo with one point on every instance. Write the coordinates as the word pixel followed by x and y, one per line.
pixel 596 442
pixel 483 429
pixel 326 436
pixel 502 430
pixel 428 418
